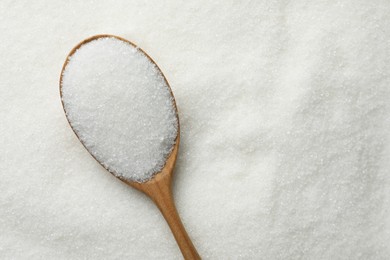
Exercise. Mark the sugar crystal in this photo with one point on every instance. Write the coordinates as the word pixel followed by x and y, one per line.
pixel 120 107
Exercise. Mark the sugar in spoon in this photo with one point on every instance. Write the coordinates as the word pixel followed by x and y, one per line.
pixel 101 93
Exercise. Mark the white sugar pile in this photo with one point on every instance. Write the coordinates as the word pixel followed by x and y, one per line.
pixel 120 106
pixel 284 125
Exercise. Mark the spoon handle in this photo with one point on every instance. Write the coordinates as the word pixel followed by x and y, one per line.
pixel 159 190
pixel 162 196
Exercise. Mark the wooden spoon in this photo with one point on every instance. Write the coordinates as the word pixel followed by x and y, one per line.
pixel 159 188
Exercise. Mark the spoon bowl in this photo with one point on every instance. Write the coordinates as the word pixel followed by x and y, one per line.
pixel 159 186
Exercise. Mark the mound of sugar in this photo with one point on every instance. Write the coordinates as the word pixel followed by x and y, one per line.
pixel 284 128
pixel 121 107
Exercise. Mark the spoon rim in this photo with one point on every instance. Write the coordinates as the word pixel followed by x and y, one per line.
pixel 173 152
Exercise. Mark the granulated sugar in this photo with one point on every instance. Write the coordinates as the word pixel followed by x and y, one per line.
pixel 120 106
pixel 284 131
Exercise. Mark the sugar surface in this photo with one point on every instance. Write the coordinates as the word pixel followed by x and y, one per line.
pixel 284 118
pixel 120 106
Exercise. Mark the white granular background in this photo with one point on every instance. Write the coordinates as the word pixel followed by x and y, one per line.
pixel 284 112
pixel 120 106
